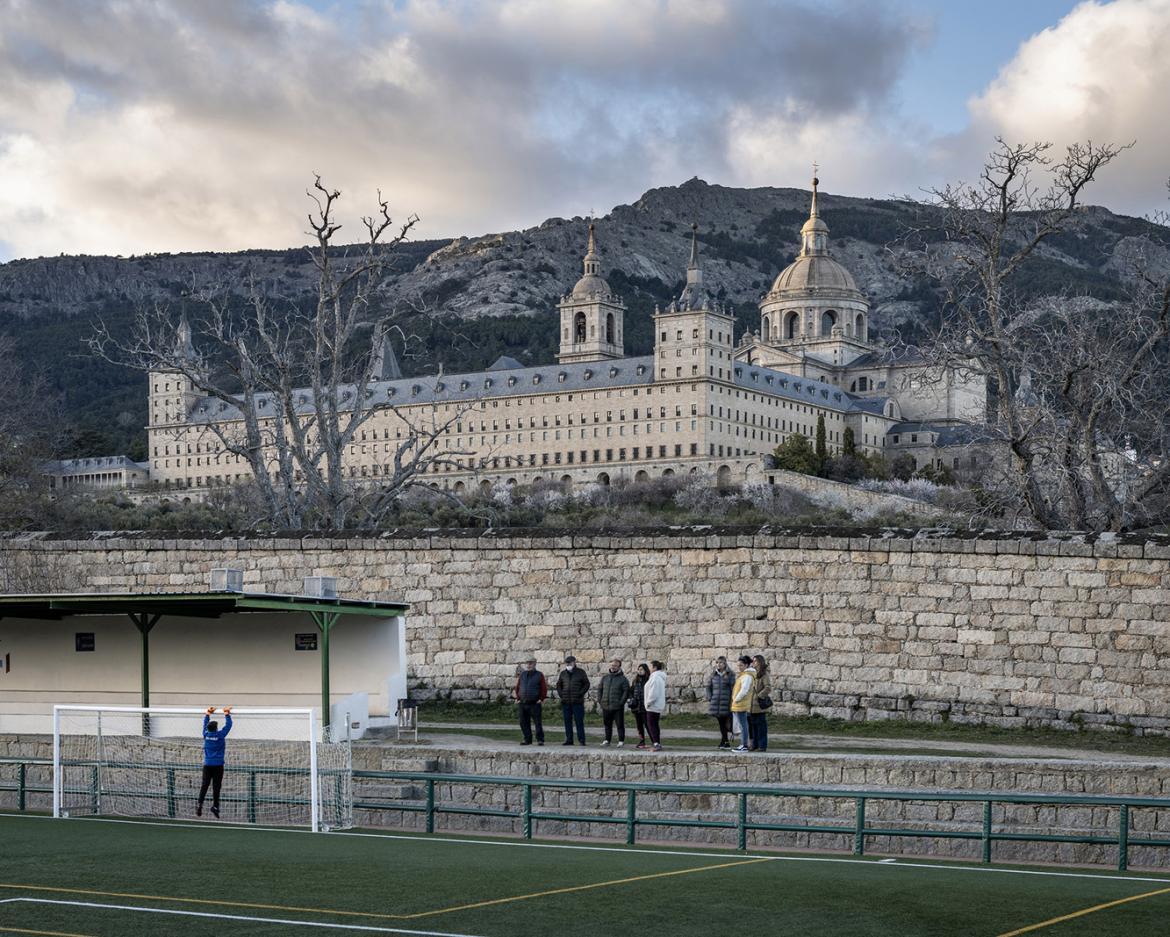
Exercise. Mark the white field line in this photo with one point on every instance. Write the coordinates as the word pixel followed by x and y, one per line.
pixel 440 839
pixel 234 917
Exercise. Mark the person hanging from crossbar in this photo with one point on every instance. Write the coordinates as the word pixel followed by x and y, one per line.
pixel 214 751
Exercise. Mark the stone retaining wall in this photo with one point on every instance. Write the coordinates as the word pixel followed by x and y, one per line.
pixel 1001 629
pixel 964 775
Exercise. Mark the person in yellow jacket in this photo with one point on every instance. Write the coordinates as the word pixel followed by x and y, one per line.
pixel 742 695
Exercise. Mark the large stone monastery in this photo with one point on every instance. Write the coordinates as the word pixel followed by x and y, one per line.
pixel 701 403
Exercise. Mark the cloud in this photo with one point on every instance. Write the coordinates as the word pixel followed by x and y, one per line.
pixel 133 125
pixel 1101 73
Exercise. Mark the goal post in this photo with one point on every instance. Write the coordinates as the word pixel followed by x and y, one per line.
pixel 149 762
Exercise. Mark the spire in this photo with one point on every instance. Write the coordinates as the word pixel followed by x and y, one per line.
pixel 814 236
pixel 592 261
pixel 383 361
pixel 694 294
pixel 694 271
pixel 184 343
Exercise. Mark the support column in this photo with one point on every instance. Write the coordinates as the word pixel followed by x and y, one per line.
pixel 144 623
pixel 325 622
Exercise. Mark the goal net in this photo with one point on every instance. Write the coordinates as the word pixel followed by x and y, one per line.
pixel 134 762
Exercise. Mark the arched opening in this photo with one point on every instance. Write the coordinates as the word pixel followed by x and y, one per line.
pixel 567 483
pixel 579 327
pixel 694 470
pixel 765 330
pixel 641 476
pixel 460 488
pixel 859 327
pixel 603 478
pixel 828 320
pixel 609 329
pixel 510 482
pixel 723 476
pixel 791 321
pixel 485 486
pixel 668 473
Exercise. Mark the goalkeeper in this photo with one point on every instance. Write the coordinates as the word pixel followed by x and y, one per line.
pixel 214 747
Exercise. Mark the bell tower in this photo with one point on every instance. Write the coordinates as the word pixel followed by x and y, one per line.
pixel 591 316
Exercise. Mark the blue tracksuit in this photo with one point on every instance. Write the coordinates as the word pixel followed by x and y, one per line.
pixel 214 742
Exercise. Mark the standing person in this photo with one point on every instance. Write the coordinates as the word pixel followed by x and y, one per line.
pixel 531 691
pixel 719 686
pixel 761 703
pixel 613 696
pixel 741 699
pixel 638 701
pixel 214 750
pixel 655 700
pixel 572 687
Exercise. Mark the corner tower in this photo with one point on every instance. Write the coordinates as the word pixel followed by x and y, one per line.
pixel 591 316
pixel 172 393
pixel 693 335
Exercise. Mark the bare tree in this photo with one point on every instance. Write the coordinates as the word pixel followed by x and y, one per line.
pixel 1077 408
pixel 293 387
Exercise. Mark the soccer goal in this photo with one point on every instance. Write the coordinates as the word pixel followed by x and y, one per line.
pixel 135 762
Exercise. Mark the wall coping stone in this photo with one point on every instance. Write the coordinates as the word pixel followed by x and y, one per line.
pixel 702 537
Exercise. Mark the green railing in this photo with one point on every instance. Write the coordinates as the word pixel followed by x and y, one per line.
pixel 94 790
pixel 628 817
pixel 742 824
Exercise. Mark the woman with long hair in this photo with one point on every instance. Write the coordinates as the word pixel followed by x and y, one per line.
pixel 761 701
pixel 638 701
pixel 655 702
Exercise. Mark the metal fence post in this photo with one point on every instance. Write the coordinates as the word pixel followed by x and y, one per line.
pixel 252 796
pixel 741 823
pixel 1123 839
pixel 987 831
pixel 171 807
pixel 528 811
pixel 20 781
pixel 859 828
pixel 430 806
pixel 631 816
pixel 93 790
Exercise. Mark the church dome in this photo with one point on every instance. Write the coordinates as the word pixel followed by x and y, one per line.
pixel 591 284
pixel 814 271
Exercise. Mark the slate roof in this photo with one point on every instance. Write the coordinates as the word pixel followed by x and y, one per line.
pixel 556 378
pixel 901 354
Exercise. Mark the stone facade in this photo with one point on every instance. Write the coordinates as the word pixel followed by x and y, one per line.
pixel 1010 631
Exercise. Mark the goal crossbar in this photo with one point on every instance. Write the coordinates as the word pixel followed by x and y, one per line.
pixel 309 736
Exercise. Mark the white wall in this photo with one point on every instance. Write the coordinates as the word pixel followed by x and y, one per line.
pixel 237 660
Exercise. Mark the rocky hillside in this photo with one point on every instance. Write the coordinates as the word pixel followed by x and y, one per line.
pixel 497 293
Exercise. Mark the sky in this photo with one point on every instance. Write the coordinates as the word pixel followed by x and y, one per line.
pixel 136 126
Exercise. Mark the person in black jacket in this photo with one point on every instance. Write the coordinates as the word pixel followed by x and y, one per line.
pixel 613 696
pixel 719 686
pixel 530 692
pixel 638 701
pixel 572 688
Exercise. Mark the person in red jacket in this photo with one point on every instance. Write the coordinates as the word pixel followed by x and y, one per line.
pixel 530 691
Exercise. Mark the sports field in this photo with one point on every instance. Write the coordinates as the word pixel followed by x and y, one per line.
pixel 108 878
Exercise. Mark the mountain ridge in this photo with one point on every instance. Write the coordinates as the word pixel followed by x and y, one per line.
pixel 465 300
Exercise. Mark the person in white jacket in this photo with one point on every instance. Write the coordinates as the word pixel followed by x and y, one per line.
pixel 655 694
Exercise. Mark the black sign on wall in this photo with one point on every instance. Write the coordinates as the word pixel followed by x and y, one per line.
pixel 306 642
pixel 84 641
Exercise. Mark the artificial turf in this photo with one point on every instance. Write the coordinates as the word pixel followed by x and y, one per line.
pixel 385 883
